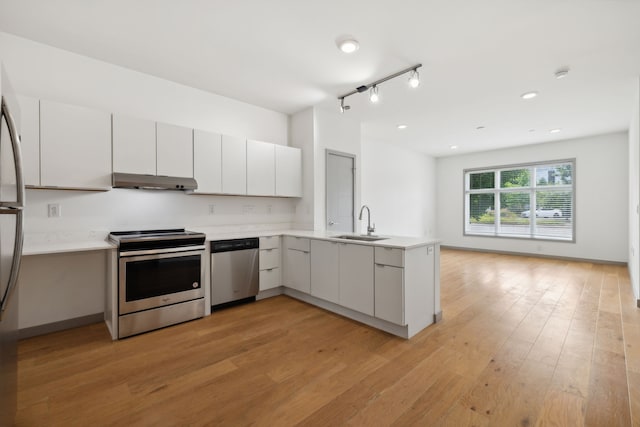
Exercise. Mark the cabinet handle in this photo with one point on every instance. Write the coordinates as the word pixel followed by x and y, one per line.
pixel 269 250
pixel 269 269
pixel 380 265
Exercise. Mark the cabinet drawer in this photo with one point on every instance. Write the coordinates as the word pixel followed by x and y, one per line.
pixel 269 242
pixel 269 278
pixel 298 243
pixel 269 258
pixel 390 256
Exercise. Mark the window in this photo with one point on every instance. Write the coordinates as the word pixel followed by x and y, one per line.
pixel 534 201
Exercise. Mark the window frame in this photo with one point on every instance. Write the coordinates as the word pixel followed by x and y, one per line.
pixel 532 188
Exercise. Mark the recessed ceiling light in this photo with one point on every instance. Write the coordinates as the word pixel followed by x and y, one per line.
pixel 532 130
pixel 555 130
pixel 453 147
pixel 348 44
pixel 529 95
pixel 402 127
pixel 561 73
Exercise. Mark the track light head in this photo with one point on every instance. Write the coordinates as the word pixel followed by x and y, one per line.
pixel 414 79
pixel 373 94
pixel 343 107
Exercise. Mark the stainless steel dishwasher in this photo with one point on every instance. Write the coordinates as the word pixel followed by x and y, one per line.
pixel 234 270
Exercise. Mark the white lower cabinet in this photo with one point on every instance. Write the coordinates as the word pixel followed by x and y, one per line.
pixel 297 263
pixel 325 279
pixel 356 277
pixel 389 293
pixel 269 262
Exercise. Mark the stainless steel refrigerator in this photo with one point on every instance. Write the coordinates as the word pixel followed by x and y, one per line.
pixel 11 235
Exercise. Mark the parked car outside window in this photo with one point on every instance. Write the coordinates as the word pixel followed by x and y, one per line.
pixel 543 213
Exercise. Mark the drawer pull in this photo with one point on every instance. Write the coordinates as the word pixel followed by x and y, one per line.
pixel 269 269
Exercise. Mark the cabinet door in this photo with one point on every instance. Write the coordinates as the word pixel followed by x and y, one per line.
pixel 30 139
pixel 207 161
pixel 234 165
pixel 134 145
pixel 297 270
pixel 75 146
pixel 261 169
pixel 174 145
pixel 269 278
pixel 356 277
pixel 389 293
pixel 325 279
pixel 288 171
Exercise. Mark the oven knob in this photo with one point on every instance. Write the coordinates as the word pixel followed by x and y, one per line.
pixel 195 284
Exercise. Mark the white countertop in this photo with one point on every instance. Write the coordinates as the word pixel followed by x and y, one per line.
pixel 50 243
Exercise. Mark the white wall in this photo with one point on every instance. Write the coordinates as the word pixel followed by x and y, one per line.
pixel 301 131
pixel 399 185
pixel 338 132
pixel 45 72
pixel 634 193
pixel 601 197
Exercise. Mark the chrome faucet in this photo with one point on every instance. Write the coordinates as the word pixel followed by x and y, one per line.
pixel 370 229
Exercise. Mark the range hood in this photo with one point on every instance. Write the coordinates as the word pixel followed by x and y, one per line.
pixel 153 182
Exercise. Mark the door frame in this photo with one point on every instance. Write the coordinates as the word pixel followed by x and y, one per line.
pixel 329 152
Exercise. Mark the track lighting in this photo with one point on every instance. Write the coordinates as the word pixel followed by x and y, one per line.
pixel 414 79
pixel 374 95
pixel 343 107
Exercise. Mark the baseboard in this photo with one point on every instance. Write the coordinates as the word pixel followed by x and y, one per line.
pixel 527 254
pixel 268 293
pixel 48 328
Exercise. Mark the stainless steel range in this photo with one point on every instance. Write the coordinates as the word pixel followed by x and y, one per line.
pixel 160 278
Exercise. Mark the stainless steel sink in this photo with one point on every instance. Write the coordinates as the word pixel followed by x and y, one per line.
pixel 361 238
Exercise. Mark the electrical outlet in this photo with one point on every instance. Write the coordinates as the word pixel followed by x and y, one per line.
pixel 54 210
pixel 212 209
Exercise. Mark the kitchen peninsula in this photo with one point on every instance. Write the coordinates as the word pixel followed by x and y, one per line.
pixel 392 284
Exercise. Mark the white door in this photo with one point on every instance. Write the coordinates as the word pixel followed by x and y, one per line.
pixel 340 190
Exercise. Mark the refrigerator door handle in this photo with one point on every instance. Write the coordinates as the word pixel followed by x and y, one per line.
pixel 17 257
pixel 15 143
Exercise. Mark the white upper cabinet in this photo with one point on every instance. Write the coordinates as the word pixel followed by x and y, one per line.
pixel 174 146
pixel 30 139
pixel 75 146
pixel 288 171
pixel 261 168
pixel 234 165
pixel 207 161
pixel 134 145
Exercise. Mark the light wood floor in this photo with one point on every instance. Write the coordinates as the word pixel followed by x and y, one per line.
pixel 524 342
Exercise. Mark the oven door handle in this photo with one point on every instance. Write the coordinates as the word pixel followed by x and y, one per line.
pixel 163 251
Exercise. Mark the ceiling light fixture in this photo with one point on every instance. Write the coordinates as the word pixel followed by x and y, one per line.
pixel 414 79
pixel 343 107
pixel 348 44
pixel 529 95
pixel 555 130
pixel 374 95
pixel 453 147
pixel 561 73
pixel 402 127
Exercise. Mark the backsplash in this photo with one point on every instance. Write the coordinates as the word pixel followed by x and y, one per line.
pixel 87 213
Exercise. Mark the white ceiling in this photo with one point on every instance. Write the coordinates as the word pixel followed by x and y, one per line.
pixel 478 58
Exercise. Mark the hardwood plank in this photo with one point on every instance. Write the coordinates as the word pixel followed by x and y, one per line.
pixel 523 341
